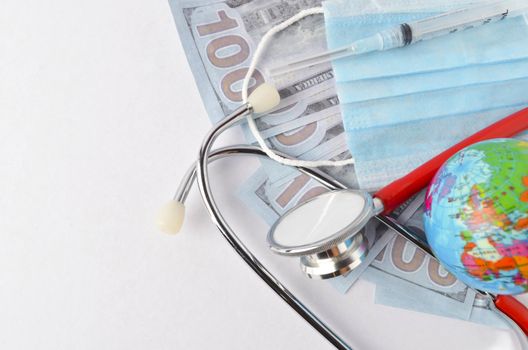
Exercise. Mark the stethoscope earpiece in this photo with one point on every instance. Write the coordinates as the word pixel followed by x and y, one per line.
pixel 264 98
pixel 170 217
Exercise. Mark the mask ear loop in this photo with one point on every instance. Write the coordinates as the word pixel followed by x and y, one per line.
pixel 252 125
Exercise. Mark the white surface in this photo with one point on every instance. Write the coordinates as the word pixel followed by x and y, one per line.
pixel 99 118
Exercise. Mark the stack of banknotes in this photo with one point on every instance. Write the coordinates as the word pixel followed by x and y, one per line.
pixel 219 38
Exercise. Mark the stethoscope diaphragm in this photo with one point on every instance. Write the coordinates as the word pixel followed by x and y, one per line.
pixel 326 232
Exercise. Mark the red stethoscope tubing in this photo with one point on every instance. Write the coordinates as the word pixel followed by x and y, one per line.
pixel 514 309
pixel 396 193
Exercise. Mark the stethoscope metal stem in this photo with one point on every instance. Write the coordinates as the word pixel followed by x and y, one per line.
pixel 190 176
pixel 185 185
pixel 203 160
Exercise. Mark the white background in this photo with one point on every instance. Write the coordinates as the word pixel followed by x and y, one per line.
pixel 99 119
pixel 96 102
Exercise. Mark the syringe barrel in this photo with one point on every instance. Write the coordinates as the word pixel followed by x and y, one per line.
pixel 392 38
pixel 463 19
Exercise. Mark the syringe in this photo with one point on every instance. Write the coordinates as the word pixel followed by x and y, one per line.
pixel 410 33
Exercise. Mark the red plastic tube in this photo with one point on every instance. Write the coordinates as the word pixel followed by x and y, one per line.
pixel 396 193
pixel 514 309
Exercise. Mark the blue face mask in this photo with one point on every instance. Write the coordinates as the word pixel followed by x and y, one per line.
pixel 377 88
pixel 403 106
pixel 392 111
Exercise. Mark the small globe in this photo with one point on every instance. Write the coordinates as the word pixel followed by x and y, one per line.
pixel 476 216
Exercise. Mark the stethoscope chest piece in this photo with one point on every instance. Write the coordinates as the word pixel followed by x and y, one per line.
pixel 326 232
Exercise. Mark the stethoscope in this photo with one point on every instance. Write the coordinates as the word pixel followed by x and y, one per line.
pixel 326 231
